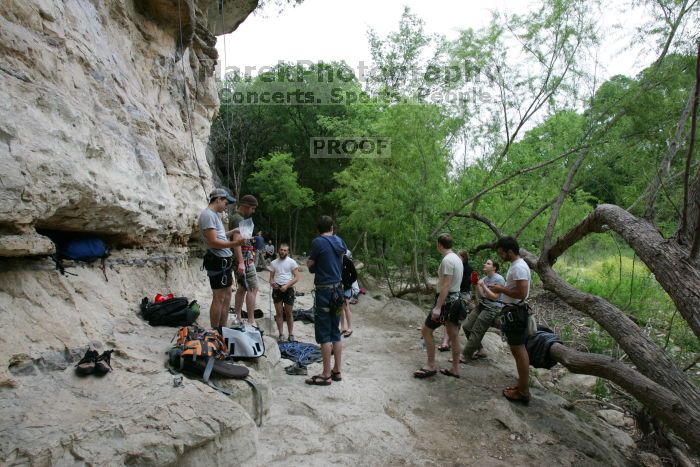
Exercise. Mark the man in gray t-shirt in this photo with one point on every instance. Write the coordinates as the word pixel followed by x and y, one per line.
pixel 218 260
pixel 209 219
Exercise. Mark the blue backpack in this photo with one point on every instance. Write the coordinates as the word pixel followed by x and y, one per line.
pixel 87 249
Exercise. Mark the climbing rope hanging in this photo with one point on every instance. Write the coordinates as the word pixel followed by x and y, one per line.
pixel 223 118
pixel 187 100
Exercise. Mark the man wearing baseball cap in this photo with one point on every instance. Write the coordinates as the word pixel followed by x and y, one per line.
pixel 218 260
pixel 244 258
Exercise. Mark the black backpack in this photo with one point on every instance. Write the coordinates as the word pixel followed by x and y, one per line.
pixel 349 274
pixel 177 311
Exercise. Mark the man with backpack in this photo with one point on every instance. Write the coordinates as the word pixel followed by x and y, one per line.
pixel 244 258
pixel 218 260
pixel 326 263
pixel 515 314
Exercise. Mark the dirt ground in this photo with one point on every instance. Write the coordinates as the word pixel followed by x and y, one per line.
pixel 380 415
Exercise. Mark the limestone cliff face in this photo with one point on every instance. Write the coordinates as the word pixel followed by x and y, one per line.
pixel 105 108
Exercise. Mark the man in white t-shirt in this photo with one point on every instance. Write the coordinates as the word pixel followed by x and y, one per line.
pixel 449 280
pixel 515 318
pixel 284 273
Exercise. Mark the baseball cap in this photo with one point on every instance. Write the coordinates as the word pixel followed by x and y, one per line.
pixel 221 193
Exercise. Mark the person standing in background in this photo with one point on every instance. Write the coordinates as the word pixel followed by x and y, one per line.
pixel 244 258
pixel 284 273
pixel 349 278
pixel 259 250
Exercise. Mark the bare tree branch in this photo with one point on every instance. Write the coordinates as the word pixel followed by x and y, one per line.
pixel 535 215
pixel 689 157
pixel 478 217
pixel 673 146
pixel 547 241
pixel 504 181
pixel 673 24
pixel 692 364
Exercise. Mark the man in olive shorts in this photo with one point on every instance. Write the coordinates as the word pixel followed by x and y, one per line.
pixel 218 260
pixel 244 258
pixel 445 311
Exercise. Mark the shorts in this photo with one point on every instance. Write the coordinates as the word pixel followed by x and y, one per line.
pixel 450 313
pixel 286 297
pixel 327 305
pixel 348 294
pixel 221 280
pixel 249 280
pixel 218 270
pixel 514 327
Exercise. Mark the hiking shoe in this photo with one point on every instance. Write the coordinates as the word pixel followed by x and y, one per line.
pixel 86 365
pixel 291 338
pixel 296 369
pixel 103 363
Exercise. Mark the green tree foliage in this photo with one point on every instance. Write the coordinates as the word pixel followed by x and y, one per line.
pixel 396 200
pixel 277 183
pixel 280 110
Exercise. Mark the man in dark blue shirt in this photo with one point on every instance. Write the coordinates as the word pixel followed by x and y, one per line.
pixel 326 263
pixel 259 250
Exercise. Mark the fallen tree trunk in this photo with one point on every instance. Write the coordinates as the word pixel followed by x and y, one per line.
pixel 664 404
pixel 668 260
pixel 415 289
pixel 649 358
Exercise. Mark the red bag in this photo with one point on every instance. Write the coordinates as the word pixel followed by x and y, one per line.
pixel 161 298
pixel 475 277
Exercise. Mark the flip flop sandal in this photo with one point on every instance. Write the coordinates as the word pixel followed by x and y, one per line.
pixel 347 333
pixel 424 373
pixel 514 395
pixel 448 372
pixel 461 360
pixel 336 376
pixel 444 348
pixel 319 380
pixel 478 356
